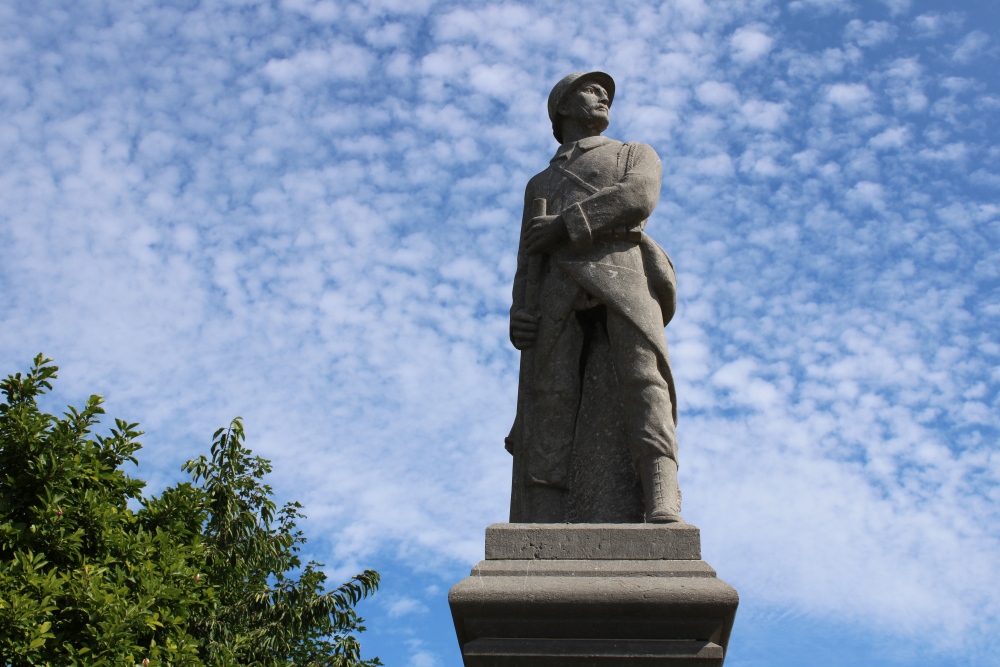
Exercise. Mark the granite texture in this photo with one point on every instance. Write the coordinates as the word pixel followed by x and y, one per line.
pixel 594 437
pixel 594 568
pixel 595 653
pixel 541 598
pixel 626 541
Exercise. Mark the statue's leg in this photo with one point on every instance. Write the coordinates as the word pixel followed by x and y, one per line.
pixel 660 492
pixel 645 395
pixel 644 390
pixel 551 422
pixel 604 486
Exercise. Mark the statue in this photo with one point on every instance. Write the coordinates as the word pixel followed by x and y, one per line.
pixel 576 576
pixel 594 438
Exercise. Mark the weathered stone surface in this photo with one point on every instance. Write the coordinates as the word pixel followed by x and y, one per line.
pixel 594 568
pixel 604 485
pixel 594 438
pixel 540 606
pixel 541 599
pixel 590 652
pixel 626 541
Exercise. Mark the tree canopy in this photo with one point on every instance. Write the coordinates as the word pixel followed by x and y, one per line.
pixel 206 573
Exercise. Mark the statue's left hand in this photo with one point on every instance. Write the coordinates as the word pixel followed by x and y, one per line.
pixel 544 233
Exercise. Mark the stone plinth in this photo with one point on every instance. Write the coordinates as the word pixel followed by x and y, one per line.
pixel 570 595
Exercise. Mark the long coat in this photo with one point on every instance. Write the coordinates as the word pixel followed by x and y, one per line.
pixel 605 191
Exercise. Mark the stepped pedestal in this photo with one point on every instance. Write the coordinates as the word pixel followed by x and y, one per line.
pixel 567 595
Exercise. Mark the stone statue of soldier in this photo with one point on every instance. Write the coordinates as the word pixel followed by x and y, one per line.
pixel 591 297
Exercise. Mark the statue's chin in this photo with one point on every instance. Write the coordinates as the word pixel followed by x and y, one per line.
pixel 600 123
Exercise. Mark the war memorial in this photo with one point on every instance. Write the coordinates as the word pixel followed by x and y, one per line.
pixel 596 566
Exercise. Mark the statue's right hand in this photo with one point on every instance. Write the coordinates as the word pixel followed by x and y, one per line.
pixel 523 329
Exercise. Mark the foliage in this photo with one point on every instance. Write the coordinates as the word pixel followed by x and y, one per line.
pixel 201 575
pixel 260 612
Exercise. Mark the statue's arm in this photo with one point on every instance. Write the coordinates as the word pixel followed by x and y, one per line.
pixel 630 200
pixel 523 325
pixel 521 274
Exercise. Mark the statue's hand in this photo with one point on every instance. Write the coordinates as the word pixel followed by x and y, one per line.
pixel 523 329
pixel 543 233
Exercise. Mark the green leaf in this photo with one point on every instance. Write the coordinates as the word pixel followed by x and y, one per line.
pixel 206 573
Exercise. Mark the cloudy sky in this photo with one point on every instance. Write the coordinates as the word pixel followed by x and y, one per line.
pixel 305 212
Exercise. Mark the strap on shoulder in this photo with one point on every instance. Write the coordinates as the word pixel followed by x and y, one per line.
pixel 576 179
pixel 626 159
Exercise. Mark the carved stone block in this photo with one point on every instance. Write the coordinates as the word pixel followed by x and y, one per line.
pixel 600 594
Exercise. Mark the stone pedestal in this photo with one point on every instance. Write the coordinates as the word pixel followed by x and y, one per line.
pixel 570 595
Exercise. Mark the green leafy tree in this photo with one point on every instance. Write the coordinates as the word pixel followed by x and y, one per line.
pixel 82 579
pixel 201 575
pixel 261 615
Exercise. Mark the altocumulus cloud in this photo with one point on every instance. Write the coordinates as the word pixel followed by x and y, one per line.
pixel 306 212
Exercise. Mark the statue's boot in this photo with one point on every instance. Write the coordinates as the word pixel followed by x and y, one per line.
pixel 660 492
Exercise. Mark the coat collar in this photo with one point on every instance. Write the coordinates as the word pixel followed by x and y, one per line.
pixel 568 151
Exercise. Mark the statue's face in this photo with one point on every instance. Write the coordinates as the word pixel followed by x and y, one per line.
pixel 589 105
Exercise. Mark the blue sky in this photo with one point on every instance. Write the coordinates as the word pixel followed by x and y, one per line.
pixel 305 212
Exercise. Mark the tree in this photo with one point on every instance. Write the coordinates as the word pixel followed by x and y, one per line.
pixel 262 615
pixel 201 575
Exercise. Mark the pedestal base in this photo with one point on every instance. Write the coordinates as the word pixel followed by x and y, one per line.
pixel 564 595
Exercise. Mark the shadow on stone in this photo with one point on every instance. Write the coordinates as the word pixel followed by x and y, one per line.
pixel 593 594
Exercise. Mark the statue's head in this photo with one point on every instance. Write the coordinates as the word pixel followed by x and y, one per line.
pixel 583 96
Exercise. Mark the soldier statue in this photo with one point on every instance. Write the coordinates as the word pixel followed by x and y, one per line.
pixel 597 410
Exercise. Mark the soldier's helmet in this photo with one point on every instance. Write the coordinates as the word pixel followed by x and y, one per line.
pixel 566 86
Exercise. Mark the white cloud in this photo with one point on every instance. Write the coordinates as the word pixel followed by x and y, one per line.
pixel 933 24
pixel 716 165
pixel 898 7
pixel 403 606
pixel 971 47
pixel 424 659
pixel 717 94
pixel 387 36
pixel 764 115
pixel 750 43
pixel 849 96
pixel 498 80
pixel 953 152
pixel 905 85
pixel 508 27
pixel 821 6
pixel 893 137
pixel 870 33
pixel 868 193
pixel 315 66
